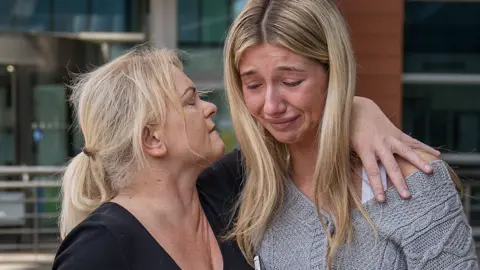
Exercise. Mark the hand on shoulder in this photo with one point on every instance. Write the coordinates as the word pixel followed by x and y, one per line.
pixel 408 168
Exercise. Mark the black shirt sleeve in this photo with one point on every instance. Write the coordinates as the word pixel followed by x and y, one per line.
pixel 224 179
pixel 90 247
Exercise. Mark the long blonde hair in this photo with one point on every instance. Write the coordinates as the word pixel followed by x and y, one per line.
pixel 316 30
pixel 113 104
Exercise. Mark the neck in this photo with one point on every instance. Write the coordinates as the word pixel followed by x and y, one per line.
pixel 303 157
pixel 163 198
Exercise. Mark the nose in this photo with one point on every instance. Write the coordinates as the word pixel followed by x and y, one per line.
pixel 274 103
pixel 209 109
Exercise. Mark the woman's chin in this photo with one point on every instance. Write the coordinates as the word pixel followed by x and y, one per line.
pixel 287 138
pixel 218 151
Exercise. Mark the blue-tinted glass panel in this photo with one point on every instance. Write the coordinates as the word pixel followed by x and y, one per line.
pixel 237 6
pixel 31 15
pixel 188 21
pixel 446 116
pixel 442 37
pixel 215 20
pixel 109 16
pixel 5 19
pixel 70 16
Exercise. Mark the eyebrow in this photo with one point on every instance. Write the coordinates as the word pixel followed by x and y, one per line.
pixel 282 68
pixel 290 68
pixel 190 88
pixel 248 73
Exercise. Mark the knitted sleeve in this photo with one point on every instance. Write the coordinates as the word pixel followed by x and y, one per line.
pixel 439 236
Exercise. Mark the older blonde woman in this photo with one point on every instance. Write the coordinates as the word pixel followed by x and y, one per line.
pixel 290 77
pixel 130 199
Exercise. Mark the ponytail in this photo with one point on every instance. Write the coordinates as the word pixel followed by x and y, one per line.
pixel 113 103
pixel 84 189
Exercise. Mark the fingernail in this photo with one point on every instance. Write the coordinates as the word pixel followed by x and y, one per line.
pixel 428 167
pixel 406 193
pixel 380 197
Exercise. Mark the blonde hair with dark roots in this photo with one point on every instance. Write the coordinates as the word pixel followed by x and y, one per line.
pixel 113 104
pixel 314 29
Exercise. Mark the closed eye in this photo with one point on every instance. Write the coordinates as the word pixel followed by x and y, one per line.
pixel 253 86
pixel 293 83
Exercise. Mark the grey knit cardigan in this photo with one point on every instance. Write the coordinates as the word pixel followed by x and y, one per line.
pixel 429 231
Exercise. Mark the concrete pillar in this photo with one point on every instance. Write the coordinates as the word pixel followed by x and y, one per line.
pixel 163 23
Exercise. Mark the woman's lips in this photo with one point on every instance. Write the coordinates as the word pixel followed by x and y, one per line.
pixel 283 124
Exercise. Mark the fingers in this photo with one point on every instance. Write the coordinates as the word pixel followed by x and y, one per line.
pixel 416 144
pixel 373 172
pixel 406 152
pixel 394 172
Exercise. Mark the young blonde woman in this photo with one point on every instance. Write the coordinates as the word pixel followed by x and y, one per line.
pixel 290 78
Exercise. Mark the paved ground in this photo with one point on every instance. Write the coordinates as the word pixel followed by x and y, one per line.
pixel 25 261
pixel 30 261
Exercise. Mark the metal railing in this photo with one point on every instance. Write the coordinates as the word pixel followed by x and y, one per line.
pixel 28 218
pixel 467 166
pixel 29 205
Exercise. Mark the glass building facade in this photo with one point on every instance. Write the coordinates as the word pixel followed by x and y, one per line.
pixel 441 98
pixel 202 27
pixel 442 74
pixel 40 38
pixel 40 42
pixel 70 16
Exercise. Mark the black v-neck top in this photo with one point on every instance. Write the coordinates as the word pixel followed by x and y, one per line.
pixel 112 238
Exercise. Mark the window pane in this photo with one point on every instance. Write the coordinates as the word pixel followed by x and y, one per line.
pixel 214 20
pixel 52 123
pixel 446 116
pixel 442 37
pixel 31 15
pixel 70 16
pixel 109 15
pixel 7 118
pixel 5 20
pixel 237 6
pixel 188 21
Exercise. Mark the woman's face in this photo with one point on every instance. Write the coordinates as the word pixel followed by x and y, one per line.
pixel 283 91
pixel 196 132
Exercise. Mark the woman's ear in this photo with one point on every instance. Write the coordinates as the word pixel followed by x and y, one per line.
pixel 153 143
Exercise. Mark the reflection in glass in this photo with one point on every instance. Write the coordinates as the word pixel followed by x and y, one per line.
pixel 188 21
pixel 50 128
pixel 446 116
pixel 7 117
pixel 109 16
pixel 30 15
pixel 70 16
pixel 237 7
pixel 214 21
pixel 442 37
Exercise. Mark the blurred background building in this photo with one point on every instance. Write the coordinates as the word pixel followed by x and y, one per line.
pixel 419 60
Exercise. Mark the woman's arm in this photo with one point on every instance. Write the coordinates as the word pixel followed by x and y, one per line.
pixel 223 179
pixel 374 137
